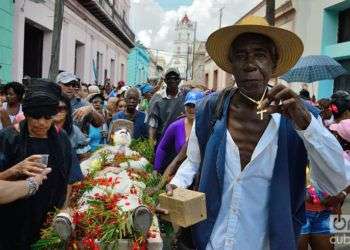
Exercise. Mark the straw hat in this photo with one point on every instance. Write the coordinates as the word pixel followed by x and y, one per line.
pixel 289 46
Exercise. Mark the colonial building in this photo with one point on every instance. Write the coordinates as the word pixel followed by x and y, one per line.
pixel 138 65
pixel 95 39
pixel 6 31
pixel 199 56
pixel 183 45
pixel 157 66
pixel 323 27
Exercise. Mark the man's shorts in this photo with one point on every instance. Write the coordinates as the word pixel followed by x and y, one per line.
pixel 317 223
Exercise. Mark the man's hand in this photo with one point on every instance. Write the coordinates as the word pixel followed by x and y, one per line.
pixel 81 112
pixel 4 117
pixel 169 189
pixel 281 99
pixel 335 203
pixel 30 166
pixel 39 178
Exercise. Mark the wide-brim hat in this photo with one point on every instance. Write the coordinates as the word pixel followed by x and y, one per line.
pixel 289 45
pixel 92 96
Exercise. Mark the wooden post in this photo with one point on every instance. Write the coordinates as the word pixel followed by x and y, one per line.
pixel 270 12
pixel 56 39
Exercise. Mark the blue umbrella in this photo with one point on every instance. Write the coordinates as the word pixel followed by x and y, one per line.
pixel 314 68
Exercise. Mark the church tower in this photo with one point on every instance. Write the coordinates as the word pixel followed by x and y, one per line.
pixel 183 46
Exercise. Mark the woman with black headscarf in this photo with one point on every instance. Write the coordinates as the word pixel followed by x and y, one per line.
pixel 35 135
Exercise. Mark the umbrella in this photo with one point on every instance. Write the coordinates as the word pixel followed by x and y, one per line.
pixel 314 68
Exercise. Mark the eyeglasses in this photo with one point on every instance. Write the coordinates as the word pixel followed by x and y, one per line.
pixel 72 84
pixel 61 108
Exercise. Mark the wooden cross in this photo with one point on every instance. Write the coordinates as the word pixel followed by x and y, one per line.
pixel 261 113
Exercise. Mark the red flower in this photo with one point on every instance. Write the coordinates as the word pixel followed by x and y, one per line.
pixel 78 217
pixel 135 246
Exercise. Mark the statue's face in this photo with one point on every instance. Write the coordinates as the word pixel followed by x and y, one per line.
pixel 122 137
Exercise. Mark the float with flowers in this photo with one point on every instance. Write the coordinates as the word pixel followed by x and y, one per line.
pixel 109 209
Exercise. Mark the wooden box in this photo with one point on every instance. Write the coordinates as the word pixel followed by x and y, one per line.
pixel 186 207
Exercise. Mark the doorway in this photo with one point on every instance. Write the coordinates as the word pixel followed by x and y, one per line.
pixel 33 51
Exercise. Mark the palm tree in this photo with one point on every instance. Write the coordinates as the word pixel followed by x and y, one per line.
pixel 270 12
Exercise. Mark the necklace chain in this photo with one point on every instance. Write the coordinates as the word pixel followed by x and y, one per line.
pixel 252 100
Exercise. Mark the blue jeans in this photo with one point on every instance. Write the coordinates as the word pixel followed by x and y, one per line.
pixel 316 223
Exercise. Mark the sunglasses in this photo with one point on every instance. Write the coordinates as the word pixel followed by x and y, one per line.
pixel 72 84
pixel 37 117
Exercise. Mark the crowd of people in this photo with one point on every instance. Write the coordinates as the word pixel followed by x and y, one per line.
pixel 246 147
pixel 69 121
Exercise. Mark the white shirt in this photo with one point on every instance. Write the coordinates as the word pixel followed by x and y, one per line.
pixel 242 218
pixel 12 117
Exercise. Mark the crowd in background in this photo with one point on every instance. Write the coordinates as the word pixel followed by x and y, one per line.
pixel 69 120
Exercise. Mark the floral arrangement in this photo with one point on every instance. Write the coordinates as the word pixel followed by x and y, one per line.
pixel 101 206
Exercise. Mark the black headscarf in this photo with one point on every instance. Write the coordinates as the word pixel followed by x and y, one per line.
pixel 41 98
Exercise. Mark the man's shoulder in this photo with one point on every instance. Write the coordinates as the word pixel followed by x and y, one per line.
pixel 208 102
pixel 118 115
pixel 78 103
pixel 141 113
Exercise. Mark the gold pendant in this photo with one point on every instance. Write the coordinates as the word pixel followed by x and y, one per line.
pixel 261 113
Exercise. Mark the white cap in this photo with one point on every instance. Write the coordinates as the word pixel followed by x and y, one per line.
pixel 172 70
pixel 93 89
pixel 123 89
pixel 66 77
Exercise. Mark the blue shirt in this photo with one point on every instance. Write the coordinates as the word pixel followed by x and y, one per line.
pixel 77 103
pixel 95 136
pixel 140 127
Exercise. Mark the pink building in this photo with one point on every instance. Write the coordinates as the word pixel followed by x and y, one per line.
pixel 95 40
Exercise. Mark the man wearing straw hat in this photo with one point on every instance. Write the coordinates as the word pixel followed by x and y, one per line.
pixel 251 145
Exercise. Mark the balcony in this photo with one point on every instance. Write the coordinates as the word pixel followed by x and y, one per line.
pixel 106 14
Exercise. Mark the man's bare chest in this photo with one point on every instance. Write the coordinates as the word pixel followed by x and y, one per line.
pixel 246 132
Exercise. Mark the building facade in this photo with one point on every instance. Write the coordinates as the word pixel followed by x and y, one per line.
pixel 95 39
pixel 199 55
pixel 157 66
pixel 138 65
pixel 324 27
pixel 214 77
pixel 183 46
pixel 6 38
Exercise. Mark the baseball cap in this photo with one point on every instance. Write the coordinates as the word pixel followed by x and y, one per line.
pixel 193 97
pixel 146 88
pixel 172 70
pixel 93 89
pixel 66 77
pixel 123 90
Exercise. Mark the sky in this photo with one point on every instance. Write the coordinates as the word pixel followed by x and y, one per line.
pixel 153 21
